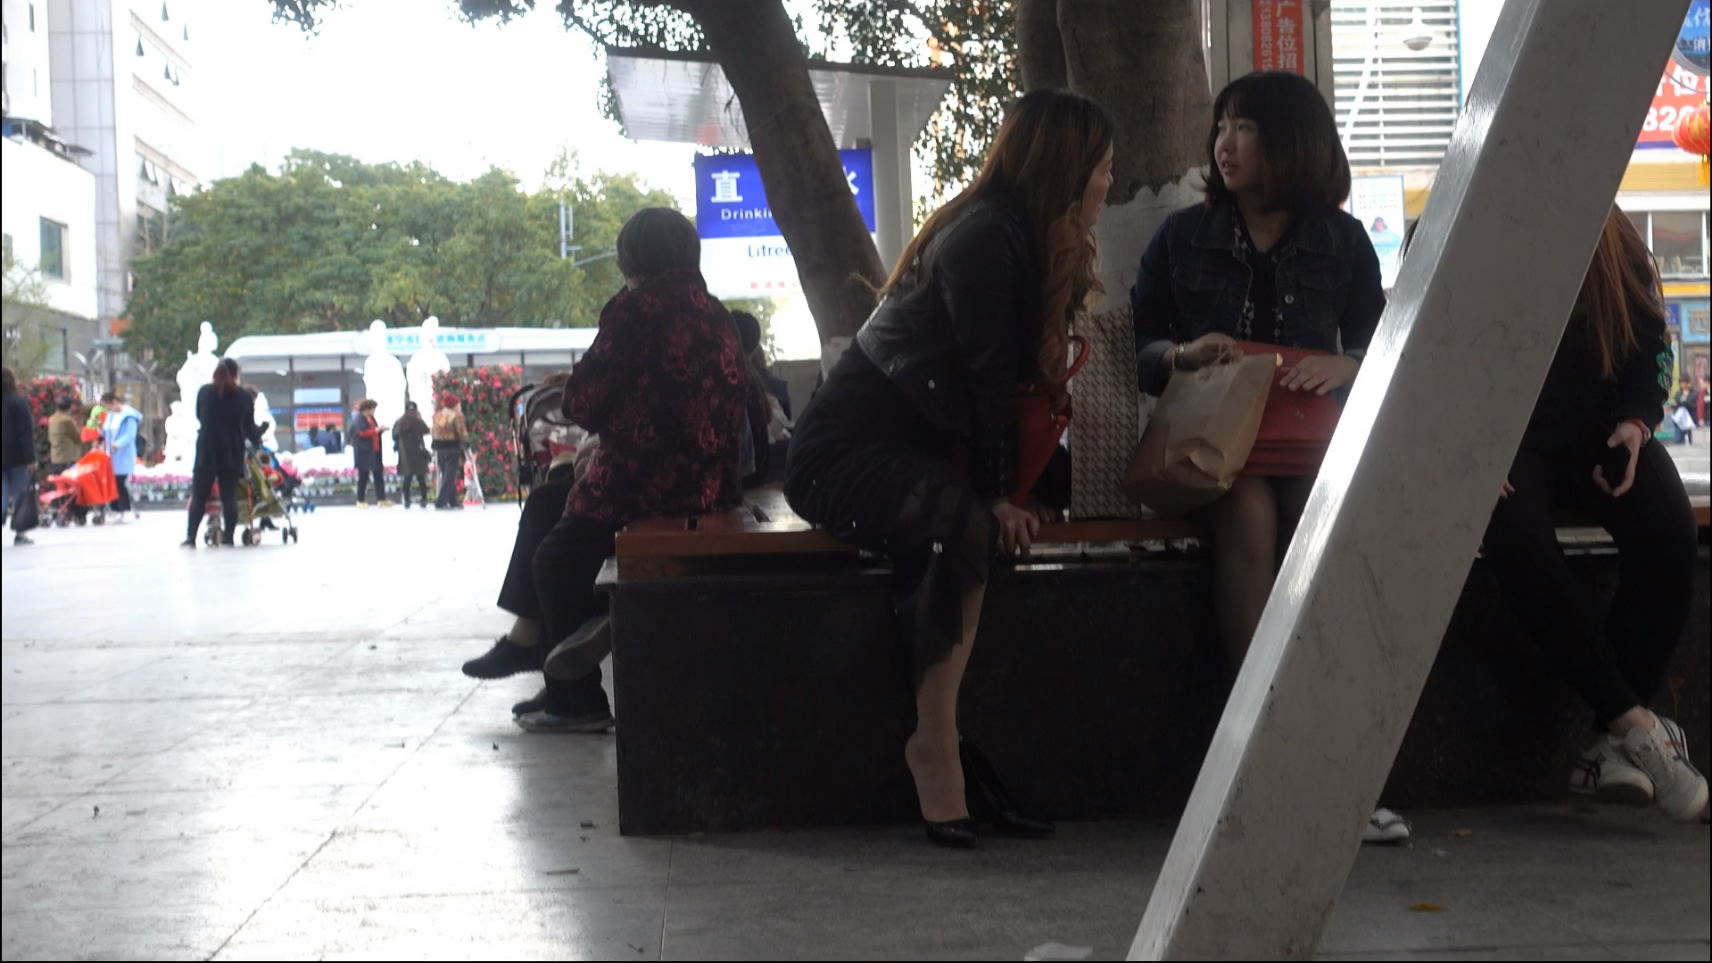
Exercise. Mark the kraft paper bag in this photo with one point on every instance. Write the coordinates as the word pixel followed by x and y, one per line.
pixel 1200 436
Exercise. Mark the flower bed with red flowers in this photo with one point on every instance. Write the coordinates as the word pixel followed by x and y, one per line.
pixel 484 395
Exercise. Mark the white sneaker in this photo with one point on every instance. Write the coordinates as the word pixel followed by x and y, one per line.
pixel 1385 828
pixel 1605 774
pixel 1662 753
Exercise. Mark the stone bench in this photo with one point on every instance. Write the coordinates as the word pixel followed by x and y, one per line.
pixel 758 682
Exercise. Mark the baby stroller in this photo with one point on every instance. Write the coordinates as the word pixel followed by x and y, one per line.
pixel 258 504
pixel 88 483
pixel 542 432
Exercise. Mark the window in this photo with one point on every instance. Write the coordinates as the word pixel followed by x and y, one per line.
pixel 1397 100
pixel 32 18
pixel 55 354
pixel 53 250
pixel 6 249
pixel 187 33
pixel 140 51
pixel 1679 243
pixel 164 17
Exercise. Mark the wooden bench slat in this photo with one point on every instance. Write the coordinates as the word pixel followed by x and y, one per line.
pixel 766 525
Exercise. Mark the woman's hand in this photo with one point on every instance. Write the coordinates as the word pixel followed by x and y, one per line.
pixel 1044 513
pixel 1507 490
pixel 1629 435
pixel 1017 527
pixel 1205 351
pixel 1321 373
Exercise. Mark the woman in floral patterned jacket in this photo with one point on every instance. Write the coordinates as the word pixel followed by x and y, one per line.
pixel 663 386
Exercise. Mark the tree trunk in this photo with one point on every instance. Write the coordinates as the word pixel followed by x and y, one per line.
pixel 757 47
pixel 1039 47
pixel 1145 63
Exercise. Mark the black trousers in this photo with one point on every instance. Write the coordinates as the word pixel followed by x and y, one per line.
pixel 202 485
pixel 1622 663
pixel 421 480
pixel 377 471
pixel 451 462
pixel 567 563
pixel 124 503
pixel 541 512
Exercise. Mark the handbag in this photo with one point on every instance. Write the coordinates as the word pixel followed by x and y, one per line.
pixel 1201 434
pixel 26 511
pixel 1297 426
pixel 1039 428
pixel 1109 417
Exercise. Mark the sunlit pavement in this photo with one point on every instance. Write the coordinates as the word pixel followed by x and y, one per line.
pixel 269 753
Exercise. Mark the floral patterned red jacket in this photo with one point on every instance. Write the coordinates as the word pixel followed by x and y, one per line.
pixel 663 387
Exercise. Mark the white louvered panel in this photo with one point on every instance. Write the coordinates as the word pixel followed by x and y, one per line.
pixel 1395 106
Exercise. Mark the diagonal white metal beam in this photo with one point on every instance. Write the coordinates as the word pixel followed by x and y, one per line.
pixel 1367 590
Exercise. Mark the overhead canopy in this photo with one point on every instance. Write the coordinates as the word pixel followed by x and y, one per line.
pixel 685 98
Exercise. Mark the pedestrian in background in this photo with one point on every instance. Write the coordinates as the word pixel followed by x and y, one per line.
pixel 450 435
pixel 17 447
pixel 410 437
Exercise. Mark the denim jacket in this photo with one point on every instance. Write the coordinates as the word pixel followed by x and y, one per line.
pixel 1192 282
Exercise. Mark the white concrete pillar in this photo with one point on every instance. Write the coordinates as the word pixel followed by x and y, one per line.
pixel 1368 587
pixel 894 217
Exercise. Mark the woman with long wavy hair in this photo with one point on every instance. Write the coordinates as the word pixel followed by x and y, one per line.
pixel 909 448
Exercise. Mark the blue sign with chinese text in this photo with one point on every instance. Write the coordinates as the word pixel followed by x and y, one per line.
pixel 730 201
pixel 1694 42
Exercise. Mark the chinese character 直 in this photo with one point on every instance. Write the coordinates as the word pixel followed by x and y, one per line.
pixel 725 187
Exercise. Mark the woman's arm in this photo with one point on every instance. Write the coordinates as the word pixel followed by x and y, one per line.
pixel 1154 315
pixel 980 276
pixel 611 365
pixel 1643 381
pixel 1366 302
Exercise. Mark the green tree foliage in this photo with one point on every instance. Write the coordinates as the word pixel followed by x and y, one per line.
pixel 330 242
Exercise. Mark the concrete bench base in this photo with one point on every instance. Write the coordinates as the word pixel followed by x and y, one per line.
pixel 765 700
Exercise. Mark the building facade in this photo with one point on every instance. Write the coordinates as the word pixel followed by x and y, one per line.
pixel 123 88
pixel 47 211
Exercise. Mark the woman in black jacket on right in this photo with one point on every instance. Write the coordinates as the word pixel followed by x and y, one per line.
pixel 1589 449
pixel 228 419
pixel 910 446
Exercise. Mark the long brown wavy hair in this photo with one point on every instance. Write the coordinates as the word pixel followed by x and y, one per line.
pixel 1040 162
pixel 1621 279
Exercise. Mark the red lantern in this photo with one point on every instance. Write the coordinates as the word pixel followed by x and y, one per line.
pixel 1692 135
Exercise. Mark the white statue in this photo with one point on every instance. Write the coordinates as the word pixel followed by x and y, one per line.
pixel 181 423
pixel 264 415
pixel 383 383
pixel 424 365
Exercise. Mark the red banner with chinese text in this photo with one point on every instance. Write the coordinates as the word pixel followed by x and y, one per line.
pixel 1278 35
pixel 1679 92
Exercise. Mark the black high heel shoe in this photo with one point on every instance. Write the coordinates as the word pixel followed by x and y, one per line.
pixel 955 834
pixel 989 799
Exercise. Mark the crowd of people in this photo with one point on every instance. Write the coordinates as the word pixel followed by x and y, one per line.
pixel 909 448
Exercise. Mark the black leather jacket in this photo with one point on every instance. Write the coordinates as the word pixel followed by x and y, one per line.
pixel 962 334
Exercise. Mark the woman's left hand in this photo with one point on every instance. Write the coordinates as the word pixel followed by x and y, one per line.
pixel 1044 512
pixel 1321 374
pixel 1629 435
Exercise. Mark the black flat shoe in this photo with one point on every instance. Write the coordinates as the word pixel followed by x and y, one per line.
pixel 991 803
pixel 504 660
pixel 956 834
pixel 535 703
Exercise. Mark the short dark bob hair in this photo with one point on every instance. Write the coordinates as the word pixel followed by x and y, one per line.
pixel 1307 171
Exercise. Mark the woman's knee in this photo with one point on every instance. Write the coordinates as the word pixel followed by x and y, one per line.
pixel 1247 515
